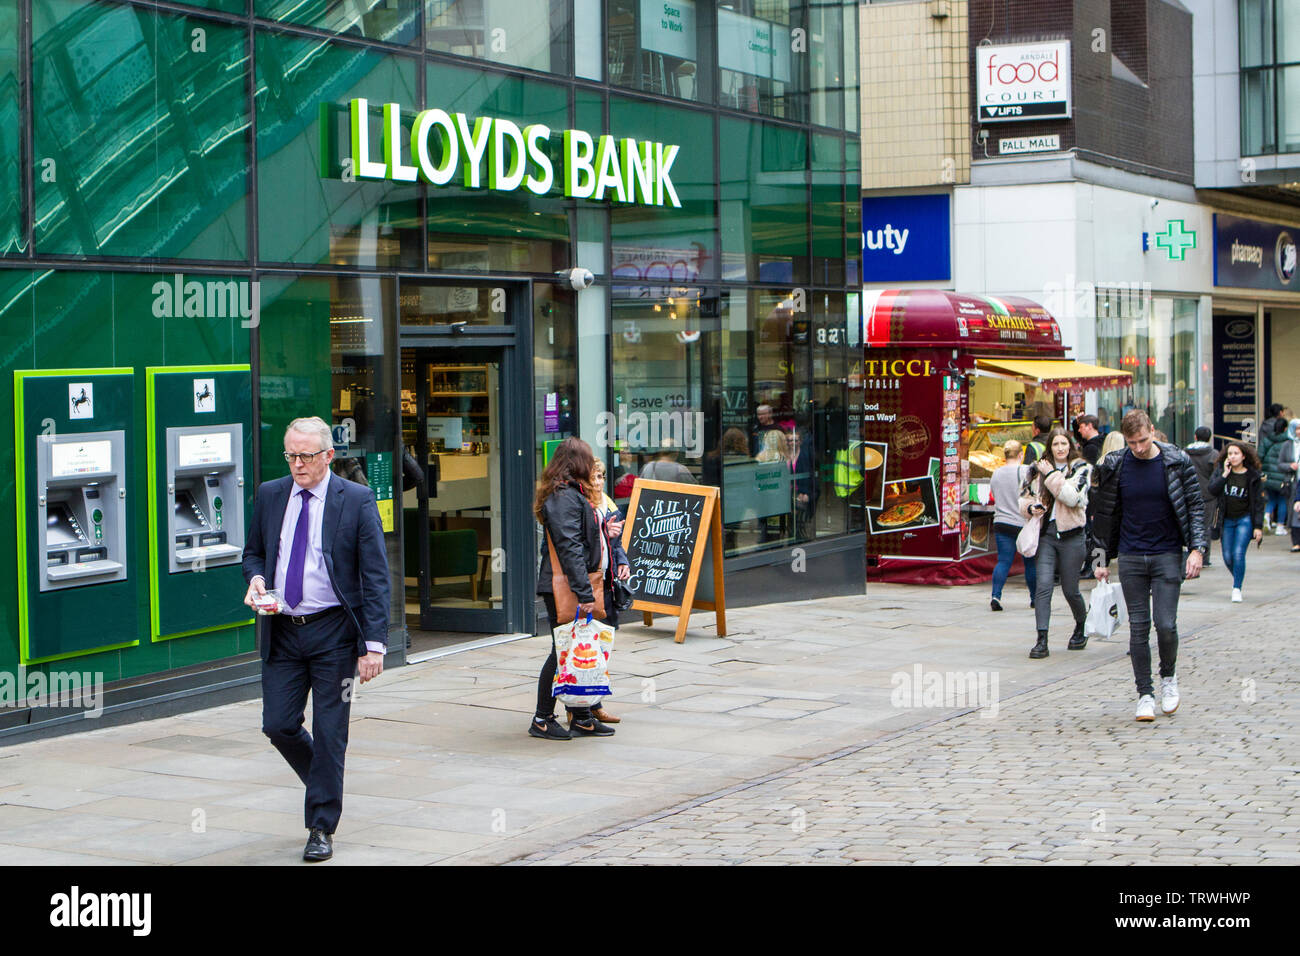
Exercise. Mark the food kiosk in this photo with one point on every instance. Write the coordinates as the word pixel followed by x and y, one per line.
pixel 948 379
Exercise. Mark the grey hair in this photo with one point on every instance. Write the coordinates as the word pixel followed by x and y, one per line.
pixel 313 426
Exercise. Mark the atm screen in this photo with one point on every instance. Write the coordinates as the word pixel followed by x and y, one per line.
pixel 188 516
pixel 59 526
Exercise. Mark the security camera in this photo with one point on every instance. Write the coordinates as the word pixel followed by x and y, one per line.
pixel 1154 202
pixel 577 279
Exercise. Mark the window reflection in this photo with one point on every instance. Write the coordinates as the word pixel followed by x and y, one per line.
pixel 142 139
pixel 393 21
pixel 528 33
pixel 758 71
pixel 653 47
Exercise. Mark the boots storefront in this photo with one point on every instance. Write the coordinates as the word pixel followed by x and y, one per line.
pixel 458 232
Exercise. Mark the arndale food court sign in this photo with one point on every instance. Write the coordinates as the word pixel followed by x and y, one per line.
pixel 495 153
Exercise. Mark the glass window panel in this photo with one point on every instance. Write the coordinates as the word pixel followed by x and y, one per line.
pixel 851 87
pixel 1288 109
pixel 826 57
pixel 140 120
pixel 828 202
pixel 1154 338
pixel 1288 31
pixel 481 230
pixel 1257 113
pixel 853 211
pixel 431 303
pixel 11 180
pixel 393 21
pixel 768 440
pixel 374 224
pixel 757 71
pixel 587 34
pixel 1256 24
pixel 663 243
pixel 530 33
pixel 823 426
pixel 654 46
pixel 555 368
pixel 764 203
pixel 656 349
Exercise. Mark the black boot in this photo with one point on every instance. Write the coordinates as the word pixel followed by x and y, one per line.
pixel 1078 640
pixel 1040 649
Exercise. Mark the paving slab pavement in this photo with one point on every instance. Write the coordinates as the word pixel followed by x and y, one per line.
pixel 441 770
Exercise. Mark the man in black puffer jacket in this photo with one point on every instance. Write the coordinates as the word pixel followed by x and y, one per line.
pixel 1148 512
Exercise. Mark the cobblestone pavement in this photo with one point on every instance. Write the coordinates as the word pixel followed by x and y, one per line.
pixel 1059 775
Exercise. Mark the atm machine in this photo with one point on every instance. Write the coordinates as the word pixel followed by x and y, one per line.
pixel 81 508
pixel 205 485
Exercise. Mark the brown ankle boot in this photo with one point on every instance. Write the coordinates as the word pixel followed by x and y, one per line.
pixel 604 716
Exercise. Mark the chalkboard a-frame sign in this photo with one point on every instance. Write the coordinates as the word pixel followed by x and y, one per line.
pixel 673 540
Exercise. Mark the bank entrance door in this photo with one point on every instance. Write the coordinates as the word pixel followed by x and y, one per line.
pixel 467 527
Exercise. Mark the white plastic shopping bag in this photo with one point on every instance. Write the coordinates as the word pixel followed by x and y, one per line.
pixel 582 651
pixel 1106 610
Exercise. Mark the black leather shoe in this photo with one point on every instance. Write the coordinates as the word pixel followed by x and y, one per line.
pixel 590 727
pixel 319 846
pixel 1039 649
pixel 1078 640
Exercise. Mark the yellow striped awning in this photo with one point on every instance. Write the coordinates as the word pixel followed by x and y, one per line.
pixel 1057 374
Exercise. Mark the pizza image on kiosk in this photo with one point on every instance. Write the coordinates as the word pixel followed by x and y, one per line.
pixel 909 503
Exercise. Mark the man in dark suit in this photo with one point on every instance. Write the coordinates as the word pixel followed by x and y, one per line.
pixel 318 540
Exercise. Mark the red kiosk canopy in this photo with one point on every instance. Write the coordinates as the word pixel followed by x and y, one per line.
pixel 933 318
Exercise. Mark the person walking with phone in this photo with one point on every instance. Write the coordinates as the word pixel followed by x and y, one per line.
pixel 1058 496
pixel 319 540
pixel 1148 511
pixel 1237 485
pixel 563 507
pixel 1005 484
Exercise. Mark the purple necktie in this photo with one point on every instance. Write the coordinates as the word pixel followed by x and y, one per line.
pixel 298 555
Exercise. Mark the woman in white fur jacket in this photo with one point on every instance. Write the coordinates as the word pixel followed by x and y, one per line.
pixel 1058 490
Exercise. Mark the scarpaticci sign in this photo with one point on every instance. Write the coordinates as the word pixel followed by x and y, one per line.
pixel 492 153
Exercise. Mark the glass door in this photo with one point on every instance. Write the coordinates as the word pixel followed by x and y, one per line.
pixel 454 528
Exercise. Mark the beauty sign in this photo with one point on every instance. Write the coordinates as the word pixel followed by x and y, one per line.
pixel 484 152
pixel 670 529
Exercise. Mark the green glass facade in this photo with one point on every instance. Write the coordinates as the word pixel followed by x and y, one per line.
pixel 142 145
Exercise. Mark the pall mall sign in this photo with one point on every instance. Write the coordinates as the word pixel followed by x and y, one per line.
pixel 1024 81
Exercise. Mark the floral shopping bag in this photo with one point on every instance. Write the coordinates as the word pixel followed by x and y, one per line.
pixel 582 650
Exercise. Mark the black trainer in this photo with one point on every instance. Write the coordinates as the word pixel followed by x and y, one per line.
pixel 995 605
pixel 548 729
pixel 591 727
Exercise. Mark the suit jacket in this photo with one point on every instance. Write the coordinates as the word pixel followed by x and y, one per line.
pixel 352 540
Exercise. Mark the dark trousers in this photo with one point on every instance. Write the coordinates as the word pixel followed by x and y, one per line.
pixel 1151 585
pixel 1064 554
pixel 320 657
pixel 545 699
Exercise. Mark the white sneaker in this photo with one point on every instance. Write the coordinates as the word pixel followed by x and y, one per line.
pixel 1236 595
pixel 1169 694
pixel 1280 529
pixel 1146 708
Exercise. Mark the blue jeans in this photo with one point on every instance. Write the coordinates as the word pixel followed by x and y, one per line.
pixel 1006 555
pixel 1237 533
pixel 1276 505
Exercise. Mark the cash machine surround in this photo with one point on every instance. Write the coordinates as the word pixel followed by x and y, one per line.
pixel 81 505
pixel 205 488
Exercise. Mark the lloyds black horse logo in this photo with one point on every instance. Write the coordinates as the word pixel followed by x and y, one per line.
pixel 79 400
pixel 203 396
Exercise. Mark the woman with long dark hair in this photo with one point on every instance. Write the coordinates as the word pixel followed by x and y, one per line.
pixel 563 507
pixel 1238 484
pixel 1059 492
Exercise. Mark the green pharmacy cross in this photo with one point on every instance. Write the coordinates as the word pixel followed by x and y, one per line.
pixel 1177 239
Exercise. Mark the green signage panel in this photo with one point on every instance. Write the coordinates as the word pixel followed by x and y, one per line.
pixel 77 548
pixel 200 499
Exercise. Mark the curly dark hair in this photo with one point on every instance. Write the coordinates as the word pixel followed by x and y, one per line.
pixel 1248 454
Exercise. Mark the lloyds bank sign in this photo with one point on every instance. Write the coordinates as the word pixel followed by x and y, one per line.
pixel 493 153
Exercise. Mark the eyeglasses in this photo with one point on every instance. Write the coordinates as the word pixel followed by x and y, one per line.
pixel 305 457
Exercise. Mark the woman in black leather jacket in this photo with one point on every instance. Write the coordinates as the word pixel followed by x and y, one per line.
pixel 563 509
